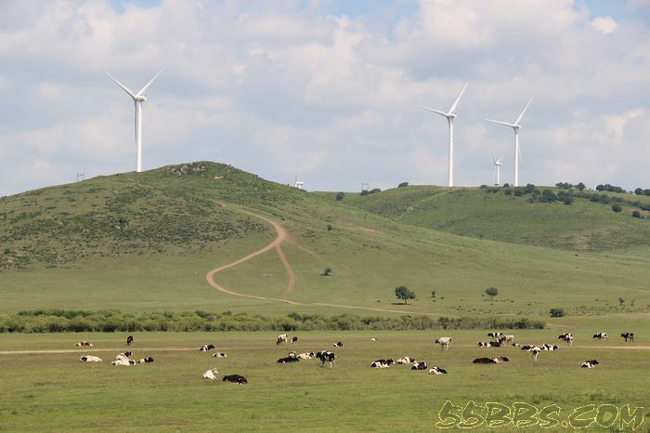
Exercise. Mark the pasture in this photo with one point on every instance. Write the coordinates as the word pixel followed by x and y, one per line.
pixel 55 392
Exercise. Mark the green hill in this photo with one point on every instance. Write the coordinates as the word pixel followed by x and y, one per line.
pixel 587 224
pixel 145 242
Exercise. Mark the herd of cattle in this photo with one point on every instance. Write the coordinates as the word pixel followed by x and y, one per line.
pixel 325 356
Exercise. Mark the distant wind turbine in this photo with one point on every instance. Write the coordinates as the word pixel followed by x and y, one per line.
pixel 515 127
pixel 450 115
pixel 138 99
pixel 497 170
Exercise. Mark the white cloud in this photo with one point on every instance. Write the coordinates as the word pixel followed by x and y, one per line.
pixel 604 25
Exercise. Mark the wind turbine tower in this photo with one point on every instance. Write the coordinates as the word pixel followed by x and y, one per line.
pixel 138 99
pixel 497 170
pixel 515 127
pixel 450 115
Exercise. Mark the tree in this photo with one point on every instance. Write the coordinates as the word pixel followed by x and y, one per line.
pixel 327 272
pixel 638 191
pixel 616 207
pixel 340 196
pixel 403 293
pixel 557 312
pixel 621 301
pixel 403 184
pixel 581 186
pixel 491 292
pixel 433 293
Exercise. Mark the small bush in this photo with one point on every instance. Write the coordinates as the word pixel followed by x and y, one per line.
pixel 557 312
pixel 403 184
pixel 636 214
pixel 340 196
pixel 327 272
pixel 617 207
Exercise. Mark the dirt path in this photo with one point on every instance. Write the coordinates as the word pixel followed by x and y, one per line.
pixel 282 236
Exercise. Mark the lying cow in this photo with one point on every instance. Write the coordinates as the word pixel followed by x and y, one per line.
pixel 444 342
pixel 236 379
pixel 219 355
pixel 382 363
pixel 126 354
pixel 506 339
pixel 211 374
pixel 549 347
pixel 83 344
pixel 628 336
pixel 589 364
pixel 494 360
pixel 287 360
pixel 338 344
pixel 483 344
pixel 124 362
pixel 495 335
pixel 406 360
pixel 567 337
pixel 600 335
pixel 373 339
pixel 419 366
pixel 147 360
pixel 437 370
pixel 306 355
pixel 206 347
pixel 326 356
pixel 89 358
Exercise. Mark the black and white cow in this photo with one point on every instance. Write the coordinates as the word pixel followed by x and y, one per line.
pixel 282 338
pixel 534 351
pixel 83 344
pixel 382 363
pixel 486 361
pixel 206 347
pixel 236 379
pixel 124 362
pixel 373 339
pixel 495 335
pixel 506 339
pixel 147 360
pixel 437 370
pixel 483 344
pixel 338 344
pixel 406 360
pixel 495 344
pixel 90 358
pixel 549 347
pixel 211 374
pixel 219 355
pixel 444 342
pixel 305 355
pixel 628 336
pixel 600 335
pixel 326 356
pixel 567 337
pixel 129 340
pixel 294 340
pixel 589 364
pixel 287 360
pixel 126 354
pixel 419 366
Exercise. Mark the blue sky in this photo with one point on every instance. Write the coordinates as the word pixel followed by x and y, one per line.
pixel 333 86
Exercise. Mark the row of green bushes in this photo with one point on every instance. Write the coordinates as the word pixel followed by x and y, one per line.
pixel 44 321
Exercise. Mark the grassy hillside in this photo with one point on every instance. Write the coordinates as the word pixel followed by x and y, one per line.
pixel 588 224
pixel 182 221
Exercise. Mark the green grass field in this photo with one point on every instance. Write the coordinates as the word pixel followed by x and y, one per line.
pixel 55 392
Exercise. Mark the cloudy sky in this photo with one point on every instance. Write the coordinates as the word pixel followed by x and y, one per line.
pixel 330 86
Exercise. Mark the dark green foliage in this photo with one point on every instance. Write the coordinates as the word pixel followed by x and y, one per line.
pixel 557 312
pixel 327 272
pixel 610 188
pixel 507 191
pixel 329 227
pixel 364 192
pixel 636 214
pixel 403 293
pixel 403 184
pixel 616 207
pixel 433 293
pixel 49 321
pixel 374 191
pixel 581 186
pixel 340 196
pixel 491 292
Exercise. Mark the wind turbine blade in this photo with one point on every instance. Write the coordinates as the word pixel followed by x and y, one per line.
pixel 442 113
pixel 126 89
pixel 144 89
pixel 494 158
pixel 523 112
pixel 453 107
pixel 501 123
pixel 499 160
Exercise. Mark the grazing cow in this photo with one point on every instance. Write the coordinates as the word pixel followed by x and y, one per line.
pixel 236 379
pixel 486 361
pixel 306 355
pixel 589 364
pixel 146 360
pixel 338 344
pixel 206 347
pixel 287 360
pixel 526 347
pixel 123 361
pixel 282 338
pixel 600 335
pixel 406 360
pixel 437 370
pixel 549 347
pixel 373 339
pixel 382 363
pixel 83 344
pixel 294 340
pixel 534 351
pixel 326 356
pixel 219 355
pixel 419 366
pixel 211 374
pixel 628 336
pixel 495 335
pixel 567 337
pixel 129 340
pixel 495 344
pixel 444 342
pixel 89 358
pixel 506 339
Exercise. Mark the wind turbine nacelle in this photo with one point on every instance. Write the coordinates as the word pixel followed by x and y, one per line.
pixel 451 115
pixel 141 98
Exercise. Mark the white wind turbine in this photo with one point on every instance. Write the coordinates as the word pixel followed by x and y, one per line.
pixel 138 99
pixel 497 170
pixel 450 115
pixel 515 127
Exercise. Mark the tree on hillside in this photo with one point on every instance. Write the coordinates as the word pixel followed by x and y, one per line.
pixel 403 184
pixel 403 293
pixel 491 292
pixel 581 186
pixel 616 207
pixel 340 196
